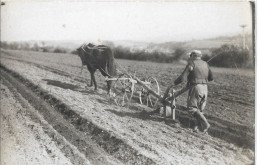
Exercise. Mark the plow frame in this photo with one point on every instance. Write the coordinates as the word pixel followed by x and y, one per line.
pixel 129 84
pixel 125 87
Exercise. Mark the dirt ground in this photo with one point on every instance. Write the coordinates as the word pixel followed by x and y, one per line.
pixel 22 140
pixel 140 138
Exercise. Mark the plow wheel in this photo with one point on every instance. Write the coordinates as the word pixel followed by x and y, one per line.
pixel 124 89
pixel 145 97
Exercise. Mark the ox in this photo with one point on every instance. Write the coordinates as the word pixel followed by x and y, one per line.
pixel 98 57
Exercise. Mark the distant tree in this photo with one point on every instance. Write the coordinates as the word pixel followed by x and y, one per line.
pixel 230 56
pixel 178 54
pixel 206 57
pixel 47 49
pixel 43 44
pixel 4 45
pixel 59 50
pixel 35 47
pixel 13 46
pixel 24 46
pixel 74 52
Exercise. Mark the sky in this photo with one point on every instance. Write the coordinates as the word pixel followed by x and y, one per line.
pixel 152 21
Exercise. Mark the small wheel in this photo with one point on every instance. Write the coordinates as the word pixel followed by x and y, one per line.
pixel 123 89
pixel 145 97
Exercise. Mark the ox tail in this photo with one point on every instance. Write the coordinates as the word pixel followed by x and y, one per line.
pixel 111 67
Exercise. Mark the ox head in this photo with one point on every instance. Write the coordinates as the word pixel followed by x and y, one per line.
pixel 81 50
pixel 87 50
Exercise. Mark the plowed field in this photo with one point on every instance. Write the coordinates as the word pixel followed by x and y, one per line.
pixel 78 125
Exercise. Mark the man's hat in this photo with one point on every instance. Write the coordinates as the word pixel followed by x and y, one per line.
pixel 197 53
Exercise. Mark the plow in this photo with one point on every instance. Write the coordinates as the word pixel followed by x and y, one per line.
pixel 145 91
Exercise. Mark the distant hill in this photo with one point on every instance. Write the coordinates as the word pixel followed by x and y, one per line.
pixel 170 47
pixel 166 47
pixel 217 42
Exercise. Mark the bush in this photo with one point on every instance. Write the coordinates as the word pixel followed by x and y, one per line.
pixel 74 52
pixel 142 55
pixel 178 54
pixel 59 50
pixel 206 57
pixel 230 56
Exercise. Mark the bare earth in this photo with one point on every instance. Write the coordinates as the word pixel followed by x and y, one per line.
pixel 22 140
pixel 82 126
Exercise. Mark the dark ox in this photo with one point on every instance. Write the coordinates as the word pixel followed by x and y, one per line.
pixel 98 57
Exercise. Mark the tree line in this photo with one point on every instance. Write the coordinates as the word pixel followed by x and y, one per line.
pixel 142 55
pixel 230 56
pixel 33 47
pixel 224 56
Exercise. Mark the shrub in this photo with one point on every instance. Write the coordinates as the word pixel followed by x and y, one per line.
pixel 206 57
pixel 230 56
pixel 74 52
pixel 142 55
pixel 59 50
pixel 178 54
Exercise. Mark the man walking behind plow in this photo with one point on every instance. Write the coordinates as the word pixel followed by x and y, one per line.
pixel 197 74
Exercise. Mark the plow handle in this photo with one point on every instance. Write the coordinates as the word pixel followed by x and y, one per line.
pixel 179 92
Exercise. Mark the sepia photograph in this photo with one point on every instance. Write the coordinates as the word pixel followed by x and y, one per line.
pixel 112 82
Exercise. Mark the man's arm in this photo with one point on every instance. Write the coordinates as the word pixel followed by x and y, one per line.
pixel 184 75
pixel 180 79
pixel 167 91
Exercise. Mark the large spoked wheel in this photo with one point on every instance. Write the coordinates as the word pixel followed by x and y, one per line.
pixel 145 97
pixel 124 89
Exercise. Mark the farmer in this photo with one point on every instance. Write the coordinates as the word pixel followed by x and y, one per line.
pixel 197 74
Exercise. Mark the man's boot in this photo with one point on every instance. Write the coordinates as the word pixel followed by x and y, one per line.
pixel 196 127
pixel 202 120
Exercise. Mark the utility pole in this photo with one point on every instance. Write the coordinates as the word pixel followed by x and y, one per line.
pixel 244 36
